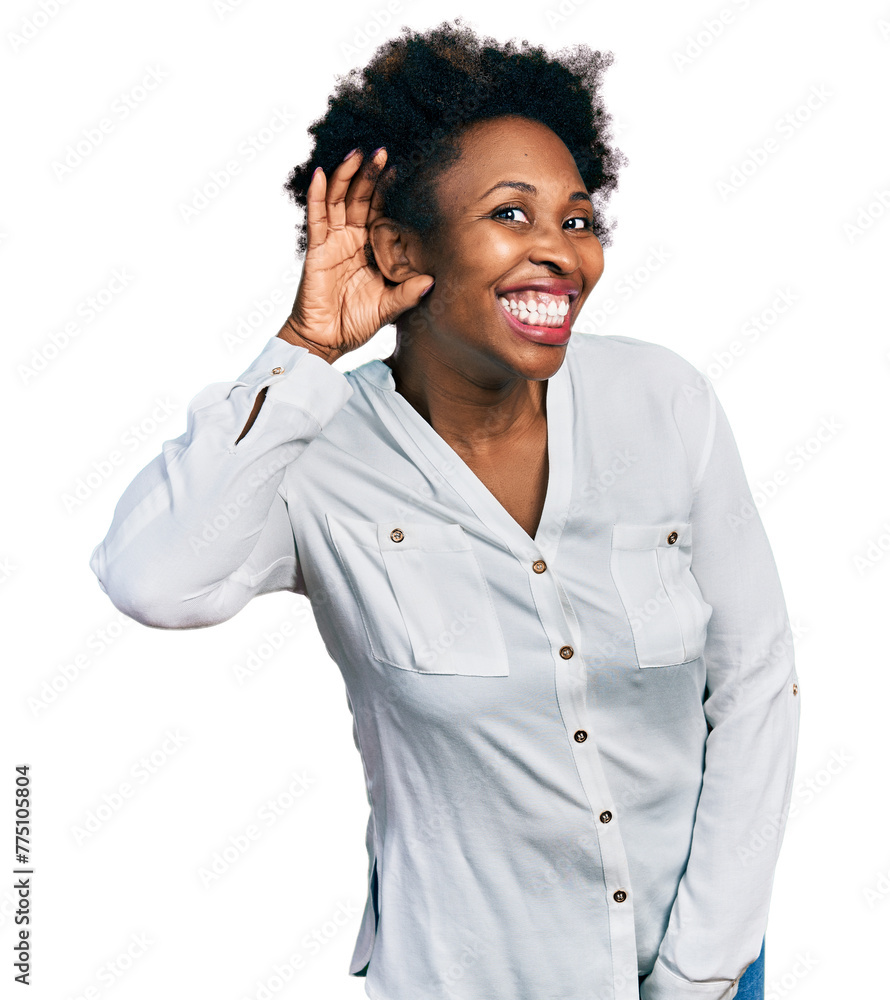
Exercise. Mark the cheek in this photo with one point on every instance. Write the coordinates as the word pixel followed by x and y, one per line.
pixel 594 264
pixel 478 268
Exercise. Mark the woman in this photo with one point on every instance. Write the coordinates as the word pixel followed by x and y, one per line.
pixel 533 554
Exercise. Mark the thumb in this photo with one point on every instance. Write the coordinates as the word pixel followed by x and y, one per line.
pixel 399 298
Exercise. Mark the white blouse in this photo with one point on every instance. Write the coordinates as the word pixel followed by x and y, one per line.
pixel 570 742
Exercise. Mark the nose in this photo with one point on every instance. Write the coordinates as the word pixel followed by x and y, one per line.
pixel 554 247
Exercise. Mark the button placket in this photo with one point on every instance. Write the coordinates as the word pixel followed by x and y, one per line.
pixel 561 621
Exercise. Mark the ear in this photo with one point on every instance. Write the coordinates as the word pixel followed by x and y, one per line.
pixel 397 250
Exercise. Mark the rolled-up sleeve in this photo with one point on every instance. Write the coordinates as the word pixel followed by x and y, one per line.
pixel 752 706
pixel 203 528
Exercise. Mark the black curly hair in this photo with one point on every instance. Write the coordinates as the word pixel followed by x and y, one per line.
pixel 421 92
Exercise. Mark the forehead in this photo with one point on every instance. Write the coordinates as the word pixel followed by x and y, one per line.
pixel 510 148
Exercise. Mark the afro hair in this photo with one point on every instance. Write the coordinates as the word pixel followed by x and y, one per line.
pixel 421 91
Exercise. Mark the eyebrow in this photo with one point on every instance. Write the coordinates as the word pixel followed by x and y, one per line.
pixel 531 189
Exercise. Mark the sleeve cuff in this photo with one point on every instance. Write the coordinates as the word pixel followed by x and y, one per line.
pixel 293 375
pixel 662 984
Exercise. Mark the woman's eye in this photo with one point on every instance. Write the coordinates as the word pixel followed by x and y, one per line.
pixel 500 213
pixel 585 223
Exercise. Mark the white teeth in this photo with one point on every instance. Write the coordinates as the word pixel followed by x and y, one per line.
pixel 551 312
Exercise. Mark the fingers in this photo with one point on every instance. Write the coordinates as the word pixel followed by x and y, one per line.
pixel 398 298
pixel 316 214
pixel 348 198
pixel 376 208
pixel 363 188
pixel 338 185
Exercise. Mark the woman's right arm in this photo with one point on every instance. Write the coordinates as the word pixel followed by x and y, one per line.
pixel 203 528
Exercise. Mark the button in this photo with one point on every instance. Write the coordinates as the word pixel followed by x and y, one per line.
pixel 566 652
pixel 672 537
pixel 396 535
pixel 277 371
pixel 581 736
pixel 794 689
pixel 605 817
pixel 619 896
pixel 539 565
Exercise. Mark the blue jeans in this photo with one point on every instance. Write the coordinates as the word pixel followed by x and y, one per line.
pixel 751 983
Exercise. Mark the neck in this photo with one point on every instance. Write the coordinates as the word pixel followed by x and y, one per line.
pixel 472 411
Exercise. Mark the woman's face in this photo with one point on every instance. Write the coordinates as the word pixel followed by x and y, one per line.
pixel 515 258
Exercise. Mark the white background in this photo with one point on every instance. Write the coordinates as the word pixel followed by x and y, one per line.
pixel 708 256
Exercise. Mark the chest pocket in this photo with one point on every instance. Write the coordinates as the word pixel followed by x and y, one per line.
pixel 651 566
pixel 423 599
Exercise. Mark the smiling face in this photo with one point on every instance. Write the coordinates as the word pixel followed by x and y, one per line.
pixel 514 259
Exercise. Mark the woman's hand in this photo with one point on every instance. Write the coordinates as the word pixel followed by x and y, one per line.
pixel 342 302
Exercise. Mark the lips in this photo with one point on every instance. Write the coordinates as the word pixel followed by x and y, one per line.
pixel 539 309
pixel 550 286
pixel 555 332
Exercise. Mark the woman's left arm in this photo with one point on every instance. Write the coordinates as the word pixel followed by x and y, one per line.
pixel 719 915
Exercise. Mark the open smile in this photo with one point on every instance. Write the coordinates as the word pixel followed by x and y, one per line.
pixel 542 317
